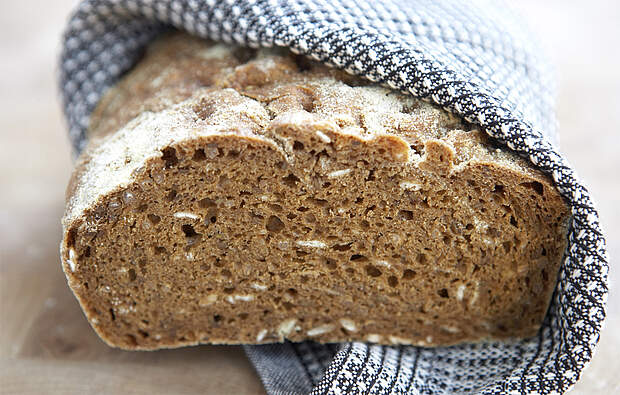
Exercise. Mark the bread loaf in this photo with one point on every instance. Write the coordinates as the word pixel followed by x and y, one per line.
pixel 232 195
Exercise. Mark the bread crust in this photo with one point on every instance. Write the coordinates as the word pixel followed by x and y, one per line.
pixel 230 195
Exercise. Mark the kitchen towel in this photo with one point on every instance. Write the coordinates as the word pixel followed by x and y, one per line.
pixel 473 58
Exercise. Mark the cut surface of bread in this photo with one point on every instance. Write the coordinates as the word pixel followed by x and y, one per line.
pixel 230 195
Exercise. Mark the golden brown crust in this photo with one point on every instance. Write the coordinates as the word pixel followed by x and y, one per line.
pixel 241 196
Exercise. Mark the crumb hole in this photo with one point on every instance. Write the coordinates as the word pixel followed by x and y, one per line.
pixel 342 247
pixel 71 238
pixel 406 215
pixel 171 195
pixel 211 216
pixel 276 207
pixel 298 145
pixel 189 231
pixel 330 263
pixel 319 202
pixel 443 293
pixel 274 224
pixel 373 271
pixel 154 219
pixel 169 156
pixel 291 180
pixel 418 149
pixel 132 275
pixel 408 274
pixel 131 340
pixel 507 246
pixel 535 186
pixel 498 189
pixel 371 175
pixel 392 281
pixel 206 203
pixel 199 155
pixel 357 257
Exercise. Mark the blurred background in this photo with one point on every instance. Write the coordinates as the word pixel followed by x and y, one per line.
pixel 46 346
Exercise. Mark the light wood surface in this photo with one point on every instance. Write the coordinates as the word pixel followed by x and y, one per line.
pixel 46 345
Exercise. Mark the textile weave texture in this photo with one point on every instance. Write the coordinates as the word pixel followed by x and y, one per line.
pixel 472 58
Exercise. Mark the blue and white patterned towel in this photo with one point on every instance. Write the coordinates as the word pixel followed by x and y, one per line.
pixel 470 57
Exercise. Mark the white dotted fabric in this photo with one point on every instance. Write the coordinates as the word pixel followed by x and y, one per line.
pixel 472 58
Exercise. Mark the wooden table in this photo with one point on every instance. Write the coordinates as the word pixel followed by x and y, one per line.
pixel 46 345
